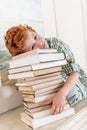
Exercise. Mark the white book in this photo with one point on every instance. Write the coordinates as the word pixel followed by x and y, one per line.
pixel 36 51
pixel 38 122
pixel 37 66
pixel 20 69
pixel 21 75
pixel 49 64
pixel 35 58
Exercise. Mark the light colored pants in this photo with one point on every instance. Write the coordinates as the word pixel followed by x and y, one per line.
pixel 76 95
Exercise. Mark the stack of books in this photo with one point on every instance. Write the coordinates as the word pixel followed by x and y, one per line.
pixel 39 77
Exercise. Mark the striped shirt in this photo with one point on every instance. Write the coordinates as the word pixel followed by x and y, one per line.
pixel 72 65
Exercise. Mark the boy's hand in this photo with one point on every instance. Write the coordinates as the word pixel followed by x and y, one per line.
pixel 58 102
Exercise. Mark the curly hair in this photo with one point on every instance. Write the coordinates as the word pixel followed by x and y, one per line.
pixel 15 38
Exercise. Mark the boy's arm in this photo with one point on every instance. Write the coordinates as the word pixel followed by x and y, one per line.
pixel 59 100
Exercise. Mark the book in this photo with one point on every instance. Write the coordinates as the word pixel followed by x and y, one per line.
pixel 35 58
pixel 38 122
pixel 48 64
pixel 20 69
pixel 21 75
pixel 38 99
pixel 37 66
pixel 47 71
pixel 31 79
pixel 38 112
pixel 38 81
pixel 76 122
pixel 25 94
pixel 41 111
pixel 40 86
pixel 34 73
pixel 31 105
pixel 36 51
pixel 46 90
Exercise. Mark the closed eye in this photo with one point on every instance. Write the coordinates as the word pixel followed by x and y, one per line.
pixel 33 46
pixel 35 37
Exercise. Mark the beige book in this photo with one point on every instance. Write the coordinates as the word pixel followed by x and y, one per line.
pixel 38 99
pixel 38 81
pixel 31 105
pixel 40 86
pixel 31 79
pixel 41 121
pixel 47 71
pixel 41 111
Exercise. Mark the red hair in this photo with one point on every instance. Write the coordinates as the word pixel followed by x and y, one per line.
pixel 15 38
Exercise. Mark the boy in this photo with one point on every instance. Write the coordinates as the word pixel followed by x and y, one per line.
pixel 20 39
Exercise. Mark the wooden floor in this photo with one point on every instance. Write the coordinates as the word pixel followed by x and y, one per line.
pixel 11 120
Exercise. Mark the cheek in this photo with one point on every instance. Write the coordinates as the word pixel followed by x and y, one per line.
pixel 38 44
pixel 27 47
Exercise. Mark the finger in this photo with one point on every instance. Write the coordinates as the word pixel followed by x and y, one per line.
pixel 56 110
pixel 52 109
pixel 48 102
pixel 61 109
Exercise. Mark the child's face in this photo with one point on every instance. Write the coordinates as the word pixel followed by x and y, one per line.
pixel 35 41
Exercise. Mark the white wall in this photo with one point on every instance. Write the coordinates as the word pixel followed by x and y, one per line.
pixel 68 20
pixel 49 18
